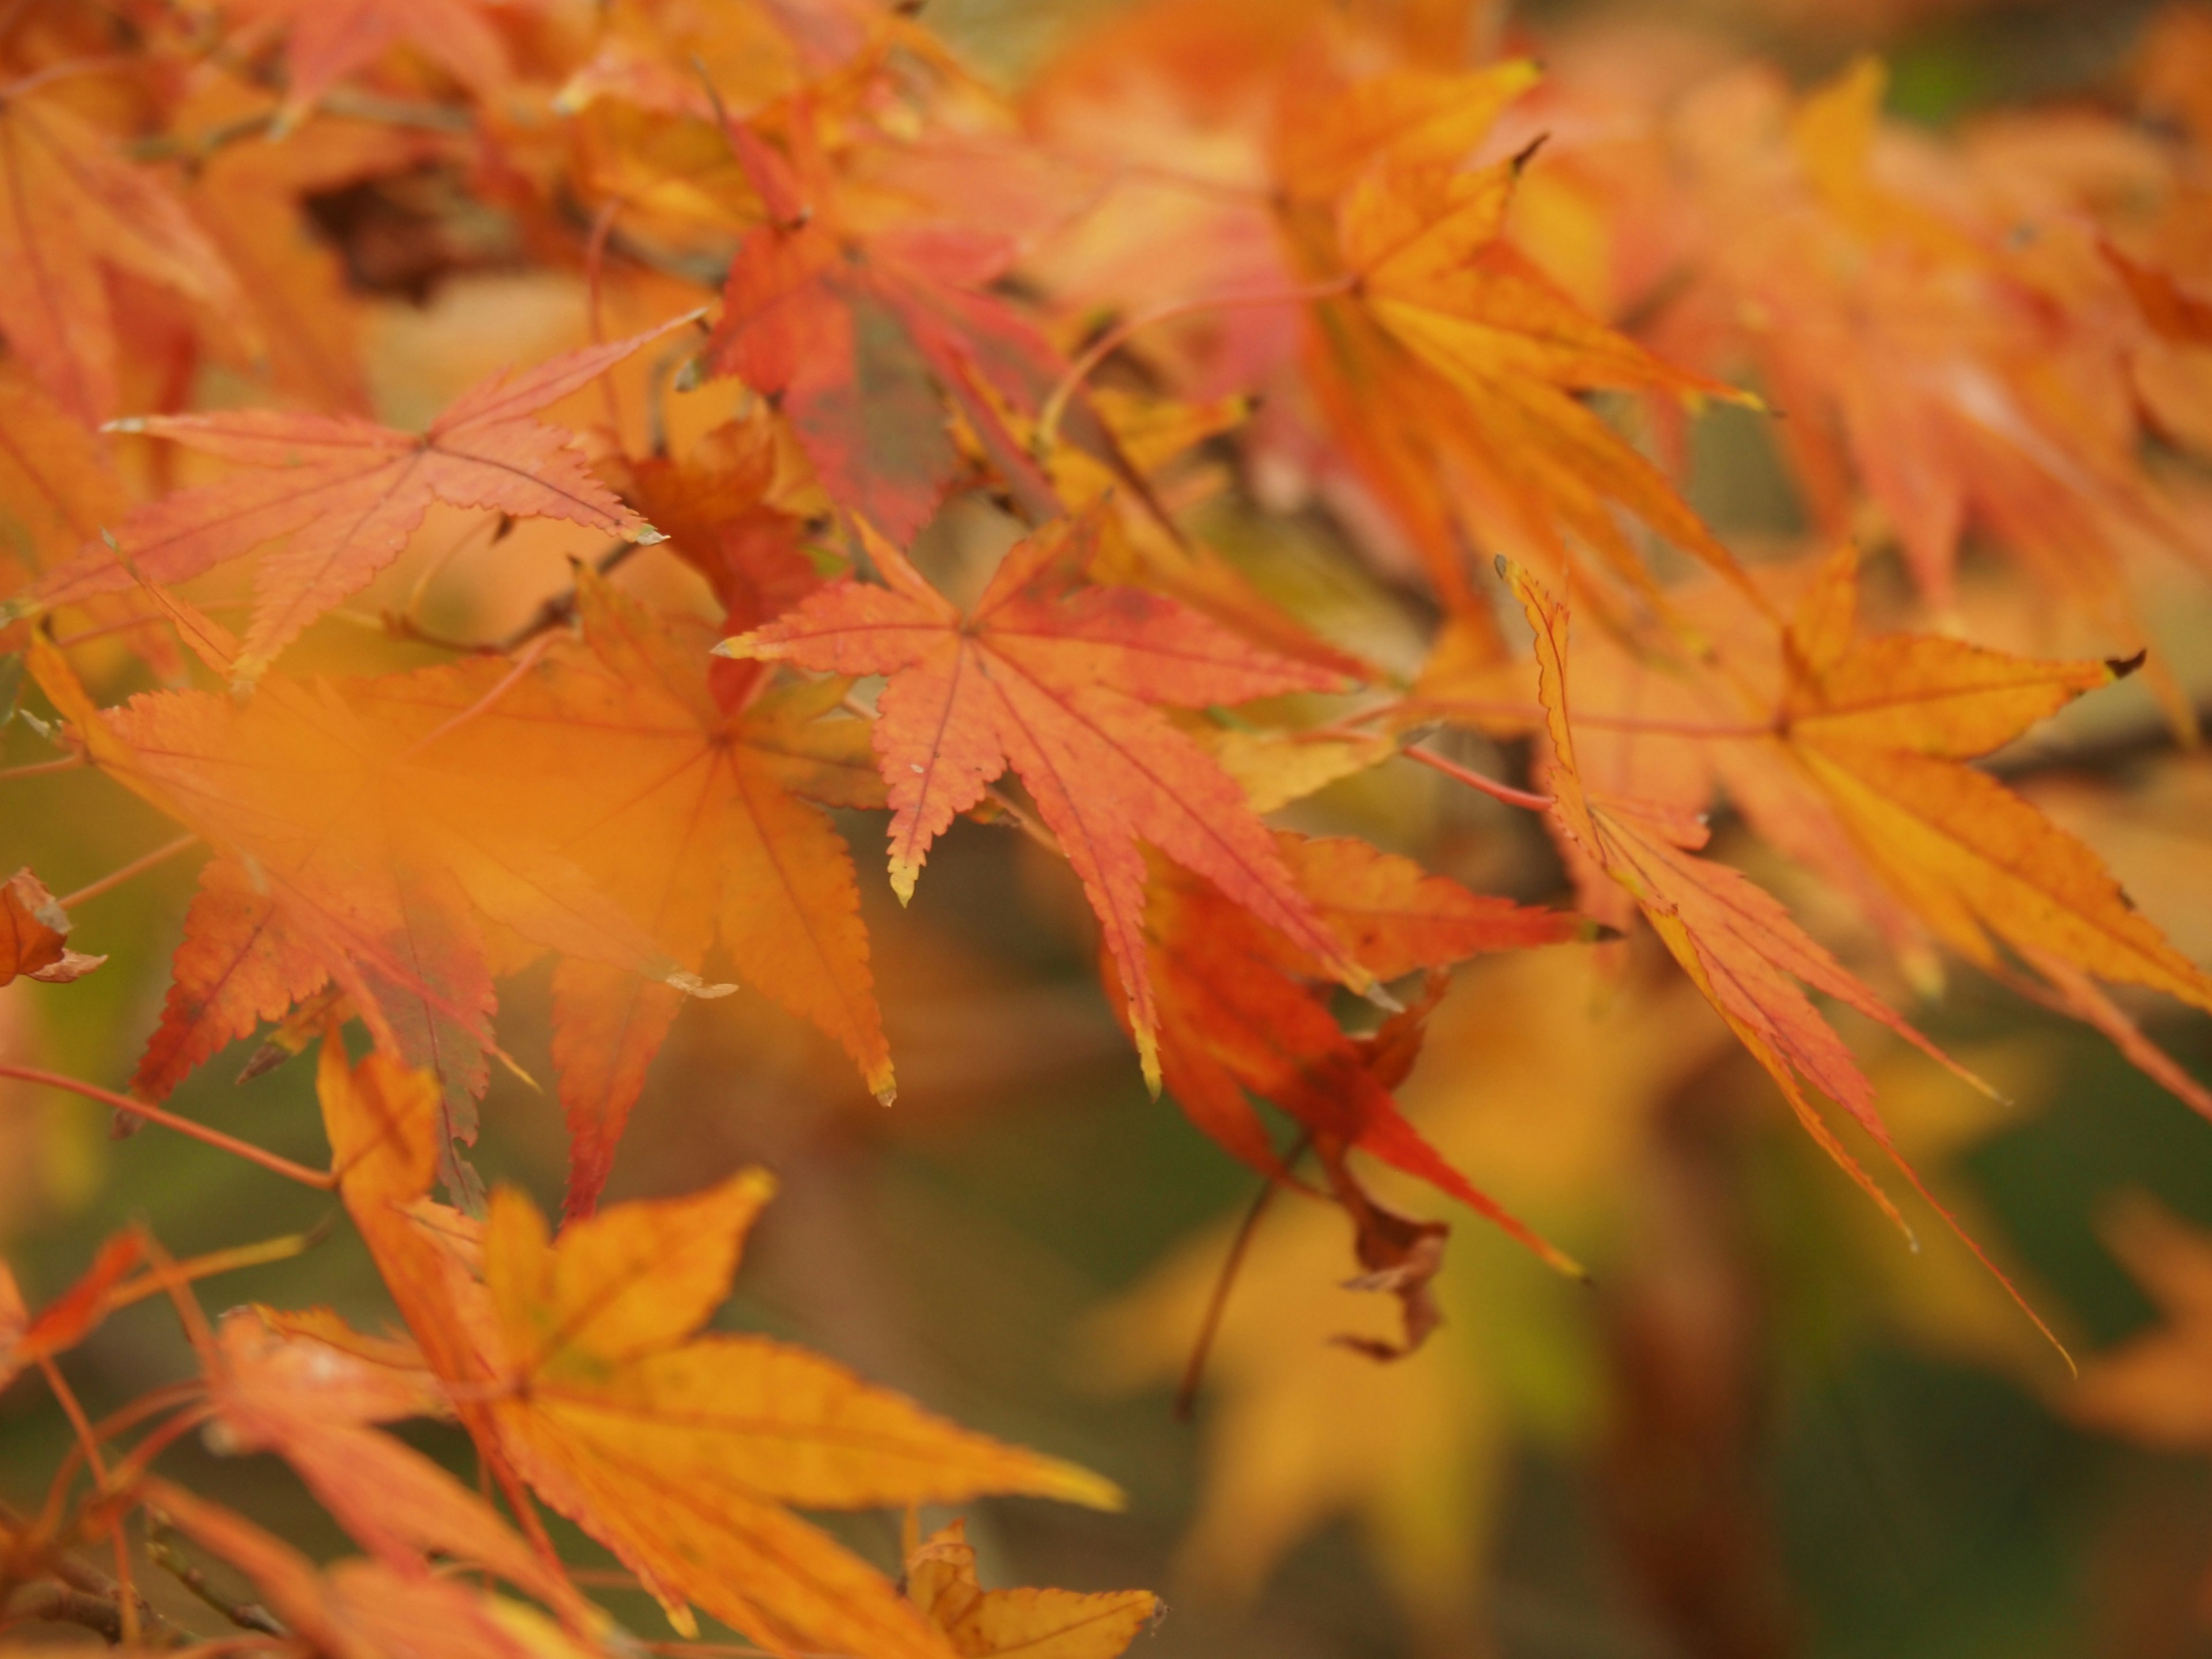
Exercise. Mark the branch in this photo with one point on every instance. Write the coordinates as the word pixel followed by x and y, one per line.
pixel 47 1602
pixel 556 611
pixel 84 1594
pixel 164 1554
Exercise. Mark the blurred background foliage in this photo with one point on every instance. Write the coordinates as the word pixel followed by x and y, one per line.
pixel 1769 1429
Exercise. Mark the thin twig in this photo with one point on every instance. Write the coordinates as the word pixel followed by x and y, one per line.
pixel 164 1554
pixel 321 1180
pixel 1194 1370
pixel 115 878
pixel 1056 405
pixel 1473 780
pixel 556 611
pixel 50 1603
pixel 39 769
pixel 521 665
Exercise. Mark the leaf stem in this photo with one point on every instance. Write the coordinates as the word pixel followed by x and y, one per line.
pixel 1055 405
pixel 1489 786
pixel 320 1180
pixel 1194 1370
pixel 39 769
pixel 115 878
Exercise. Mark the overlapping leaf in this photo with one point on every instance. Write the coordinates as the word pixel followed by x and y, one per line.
pixel 1054 681
pixel 1489 355
pixel 1246 1011
pixel 1739 946
pixel 869 335
pixel 348 848
pixel 1043 1624
pixel 347 494
pixel 579 1364
pixel 694 822
pixel 327 40
pixel 71 210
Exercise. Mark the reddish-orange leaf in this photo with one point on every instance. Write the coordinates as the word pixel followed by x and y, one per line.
pixel 357 848
pixel 356 1610
pixel 346 495
pixel 1054 679
pixel 869 339
pixel 34 934
pixel 326 41
pixel 240 964
pixel 71 209
pixel 311 1402
pixel 1739 946
pixel 1243 1010
pixel 69 1317
pixel 693 819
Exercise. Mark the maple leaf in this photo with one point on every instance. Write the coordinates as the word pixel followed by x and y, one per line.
pixel 1739 946
pixel 1471 356
pixel 34 934
pixel 360 1609
pixel 695 822
pixel 26 1339
pixel 1054 681
pixel 2151 1388
pixel 1882 725
pixel 1043 1624
pixel 1921 353
pixel 310 1400
pixel 347 494
pixel 326 41
pixel 70 208
pixel 57 486
pixel 864 333
pixel 579 1363
pixel 1244 1010
pixel 349 848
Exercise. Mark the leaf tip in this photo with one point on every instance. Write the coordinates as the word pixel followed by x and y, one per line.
pixel 647 536
pixel 1148 1059
pixel 127 423
pixel 2121 667
pixel 904 873
pixel 738 645
pixel 692 986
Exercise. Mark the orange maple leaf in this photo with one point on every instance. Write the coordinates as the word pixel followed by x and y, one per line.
pixel 579 1363
pixel 357 1610
pixel 694 821
pixel 1450 368
pixel 26 1339
pixel 1039 1624
pixel 1055 680
pixel 347 494
pixel 349 848
pixel 1737 944
pixel 327 40
pixel 70 207
pixel 34 934
pixel 1883 726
